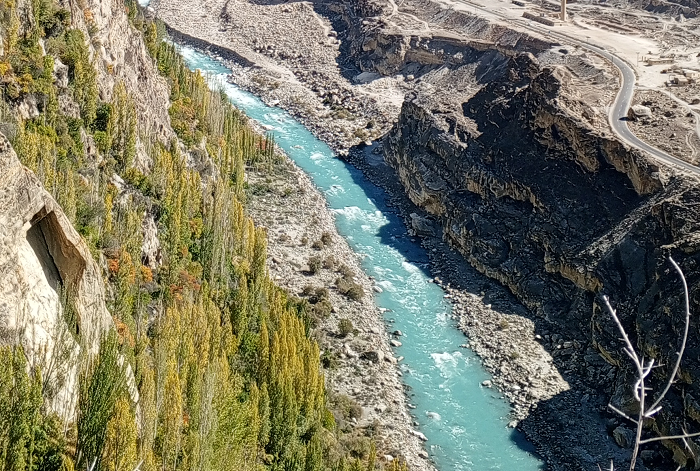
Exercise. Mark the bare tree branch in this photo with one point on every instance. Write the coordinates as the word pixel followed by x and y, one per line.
pixel 615 409
pixel 670 437
pixel 640 390
pixel 672 377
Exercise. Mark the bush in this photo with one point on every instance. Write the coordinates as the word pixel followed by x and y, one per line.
pixel 140 181
pixel 315 264
pixel 350 289
pixel 345 327
pixel 317 245
pixel 320 294
pixel 346 271
pixel 326 238
pixel 346 407
pixel 329 360
pixel 322 309
pixel 358 446
pixel 329 263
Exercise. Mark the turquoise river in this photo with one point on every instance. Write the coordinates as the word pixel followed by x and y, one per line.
pixel 466 424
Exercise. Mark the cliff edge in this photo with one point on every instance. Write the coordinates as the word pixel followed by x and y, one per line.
pixel 535 197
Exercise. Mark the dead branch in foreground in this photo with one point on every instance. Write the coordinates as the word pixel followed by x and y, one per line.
pixel 644 367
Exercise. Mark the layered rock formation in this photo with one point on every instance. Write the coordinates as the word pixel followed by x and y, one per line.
pixel 377 39
pixel 538 199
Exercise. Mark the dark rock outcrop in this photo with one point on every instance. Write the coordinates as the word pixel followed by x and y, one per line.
pixel 372 44
pixel 535 198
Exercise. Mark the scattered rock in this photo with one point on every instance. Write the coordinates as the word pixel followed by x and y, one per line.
pixel 372 355
pixel 624 436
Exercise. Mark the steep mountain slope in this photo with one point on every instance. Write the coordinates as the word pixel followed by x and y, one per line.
pixel 42 259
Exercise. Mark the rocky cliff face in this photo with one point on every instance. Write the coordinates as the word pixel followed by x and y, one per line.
pixel 52 296
pixel 377 39
pixel 534 197
pixel 52 292
pixel 119 55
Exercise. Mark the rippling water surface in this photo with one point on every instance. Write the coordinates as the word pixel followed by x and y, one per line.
pixel 465 423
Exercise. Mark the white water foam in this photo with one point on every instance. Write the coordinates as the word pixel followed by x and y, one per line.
pixel 449 364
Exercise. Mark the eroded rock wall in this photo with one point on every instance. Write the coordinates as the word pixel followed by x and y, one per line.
pixel 377 39
pixel 52 297
pixel 52 293
pixel 119 55
pixel 560 213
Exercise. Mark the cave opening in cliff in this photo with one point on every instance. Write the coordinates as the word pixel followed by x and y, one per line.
pixel 52 251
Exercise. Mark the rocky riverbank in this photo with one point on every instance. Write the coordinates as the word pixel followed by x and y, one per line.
pixel 307 256
pixel 288 55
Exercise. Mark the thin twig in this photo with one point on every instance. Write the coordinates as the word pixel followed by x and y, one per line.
pixel 639 390
pixel 672 377
pixel 615 409
pixel 670 437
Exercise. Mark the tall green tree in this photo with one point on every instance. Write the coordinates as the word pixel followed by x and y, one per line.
pixel 120 452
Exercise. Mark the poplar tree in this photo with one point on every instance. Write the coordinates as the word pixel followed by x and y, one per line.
pixel 172 419
pixel 19 407
pixel 120 441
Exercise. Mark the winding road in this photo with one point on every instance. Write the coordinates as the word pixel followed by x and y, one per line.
pixel 618 112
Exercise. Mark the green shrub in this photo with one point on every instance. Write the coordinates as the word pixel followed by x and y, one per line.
pixel 346 407
pixel 137 179
pixel 315 264
pixel 322 309
pixel 345 327
pixel 320 294
pixel 350 289
pixel 329 360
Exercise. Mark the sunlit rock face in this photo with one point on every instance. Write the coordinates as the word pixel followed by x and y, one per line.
pixel 51 293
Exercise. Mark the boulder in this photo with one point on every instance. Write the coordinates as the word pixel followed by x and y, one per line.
pixel 624 436
pixel 60 72
pixel 638 111
pixel 150 249
pixel 422 226
pixel 372 355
